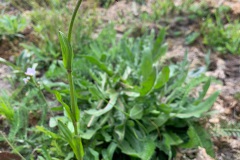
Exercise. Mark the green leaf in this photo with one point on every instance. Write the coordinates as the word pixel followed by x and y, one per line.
pixel 111 103
pixel 146 66
pixel 78 147
pixel 165 108
pixel 120 131
pixel 67 52
pixel 6 109
pixel 74 141
pixel 148 150
pixel 91 154
pixel 197 111
pixel 162 51
pixel 179 80
pixel 108 153
pixel 98 63
pixel 94 154
pixel 55 72
pixel 67 108
pixel 120 117
pixel 148 83
pixel 136 112
pixel 134 147
pixel 169 139
pixel 155 123
pixel 45 153
pixel 198 136
pixel 204 91
pixel 192 37
pixel 88 134
pixel 96 93
pixel 106 135
pixel 57 108
pixel 66 132
pixel 47 132
pixel 159 50
pixel 162 78
pixel 191 85
pixel 19 124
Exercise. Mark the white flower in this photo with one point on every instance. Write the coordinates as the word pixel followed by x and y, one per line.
pixel 30 72
pixel 26 80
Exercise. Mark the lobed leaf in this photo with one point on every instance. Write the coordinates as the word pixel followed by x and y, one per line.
pixel 134 147
pixel 111 103
pixel 155 123
pixel 197 111
pixel 204 91
pixel 198 136
pixel 170 139
pixel 98 63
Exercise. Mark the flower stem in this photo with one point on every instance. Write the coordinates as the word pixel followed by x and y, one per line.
pixel 9 143
pixel 74 106
pixel 72 20
pixel 45 106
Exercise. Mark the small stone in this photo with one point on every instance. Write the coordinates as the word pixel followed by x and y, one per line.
pixel 227 111
pixel 214 120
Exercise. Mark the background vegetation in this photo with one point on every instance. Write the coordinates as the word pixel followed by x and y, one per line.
pixel 135 102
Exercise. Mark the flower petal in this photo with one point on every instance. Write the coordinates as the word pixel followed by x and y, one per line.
pixel 30 72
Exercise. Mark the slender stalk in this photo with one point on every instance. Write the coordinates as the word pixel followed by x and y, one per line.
pixel 45 107
pixel 74 107
pixel 73 101
pixel 70 79
pixel 72 20
pixel 40 91
pixel 9 143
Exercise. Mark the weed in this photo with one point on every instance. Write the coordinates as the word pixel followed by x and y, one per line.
pixel 12 25
pixel 227 129
pixel 162 8
pixel 221 36
pixel 30 4
pixel 6 108
pixel 137 102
